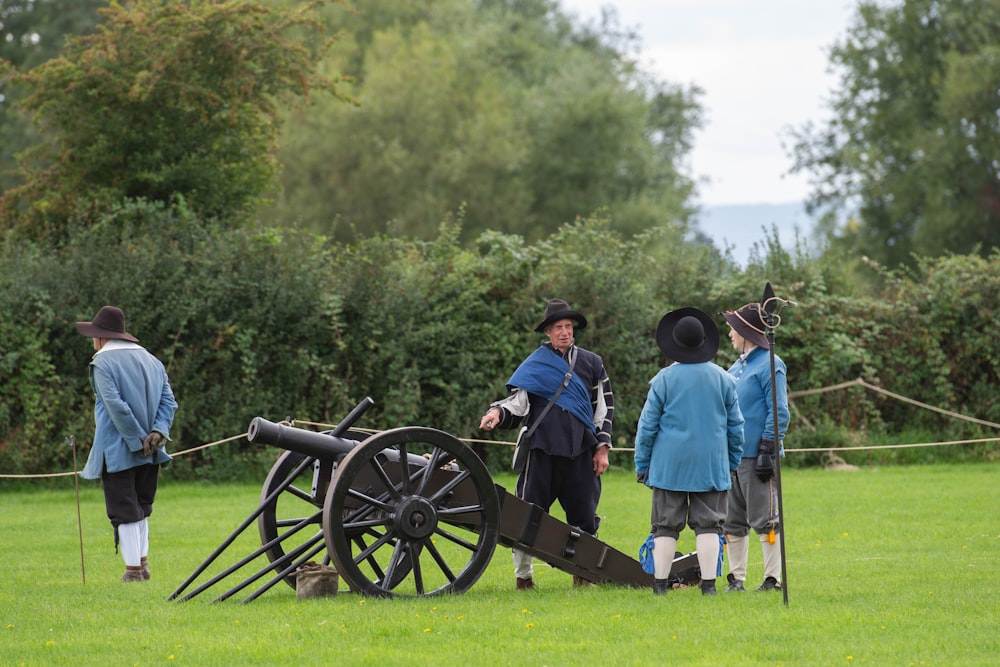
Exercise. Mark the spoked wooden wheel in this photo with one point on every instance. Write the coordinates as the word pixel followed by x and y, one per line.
pixel 411 512
pixel 292 522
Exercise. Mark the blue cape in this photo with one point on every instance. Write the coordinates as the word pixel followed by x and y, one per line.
pixel 542 373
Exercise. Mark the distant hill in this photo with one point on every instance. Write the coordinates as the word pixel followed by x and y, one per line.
pixel 739 226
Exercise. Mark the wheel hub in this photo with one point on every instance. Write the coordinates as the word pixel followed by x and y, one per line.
pixel 415 518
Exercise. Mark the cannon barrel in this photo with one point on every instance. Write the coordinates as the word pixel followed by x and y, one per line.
pixel 311 443
pixel 318 445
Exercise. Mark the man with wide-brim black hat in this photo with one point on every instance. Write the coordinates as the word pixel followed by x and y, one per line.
pixel 753 499
pixel 688 442
pixel 570 439
pixel 133 410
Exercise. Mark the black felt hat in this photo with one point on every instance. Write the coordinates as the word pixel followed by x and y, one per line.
pixel 556 310
pixel 688 335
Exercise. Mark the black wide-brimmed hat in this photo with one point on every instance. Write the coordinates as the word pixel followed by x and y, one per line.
pixel 688 335
pixel 556 310
pixel 108 323
pixel 748 323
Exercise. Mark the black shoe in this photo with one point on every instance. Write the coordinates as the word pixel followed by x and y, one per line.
pixel 525 584
pixel 734 585
pixel 770 584
pixel 708 586
pixel 661 586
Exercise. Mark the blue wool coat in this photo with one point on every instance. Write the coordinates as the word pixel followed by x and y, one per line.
pixel 132 398
pixel 753 387
pixel 690 432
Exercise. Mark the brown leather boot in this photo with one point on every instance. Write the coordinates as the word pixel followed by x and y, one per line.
pixel 524 584
pixel 133 573
pixel 144 566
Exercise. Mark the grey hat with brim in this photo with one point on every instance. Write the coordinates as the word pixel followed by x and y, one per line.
pixel 688 336
pixel 108 323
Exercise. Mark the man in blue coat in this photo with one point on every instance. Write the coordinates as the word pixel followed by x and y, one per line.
pixel 133 411
pixel 753 499
pixel 688 443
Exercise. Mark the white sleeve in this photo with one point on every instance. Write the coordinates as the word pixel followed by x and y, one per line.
pixel 516 404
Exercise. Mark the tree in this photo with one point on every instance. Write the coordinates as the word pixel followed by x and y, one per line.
pixel 31 32
pixel 167 100
pixel 916 132
pixel 505 111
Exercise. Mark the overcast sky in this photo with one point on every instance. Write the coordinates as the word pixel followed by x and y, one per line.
pixel 763 67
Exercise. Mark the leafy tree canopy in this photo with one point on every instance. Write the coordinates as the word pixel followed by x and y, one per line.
pixel 914 141
pixel 504 110
pixel 166 100
pixel 31 32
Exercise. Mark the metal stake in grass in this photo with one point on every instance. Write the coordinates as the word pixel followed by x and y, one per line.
pixel 79 522
pixel 770 307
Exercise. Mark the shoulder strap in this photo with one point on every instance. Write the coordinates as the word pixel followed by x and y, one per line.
pixel 552 401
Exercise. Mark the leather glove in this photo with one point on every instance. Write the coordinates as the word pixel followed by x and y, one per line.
pixel 641 477
pixel 151 443
pixel 765 460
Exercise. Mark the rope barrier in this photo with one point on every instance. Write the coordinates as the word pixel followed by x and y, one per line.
pixel 175 454
pixel 39 476
pixel 906 446
pixel 859 382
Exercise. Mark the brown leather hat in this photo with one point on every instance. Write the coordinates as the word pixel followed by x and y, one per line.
pixel 108 323
pixel 556 310
pixel 748 323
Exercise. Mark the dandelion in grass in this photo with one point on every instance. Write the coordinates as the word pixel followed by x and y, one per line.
pixel 530 625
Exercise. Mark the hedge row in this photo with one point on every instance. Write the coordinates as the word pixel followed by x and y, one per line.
pixel 283 324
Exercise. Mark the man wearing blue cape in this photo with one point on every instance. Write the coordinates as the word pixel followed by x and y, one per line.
pixel 568 448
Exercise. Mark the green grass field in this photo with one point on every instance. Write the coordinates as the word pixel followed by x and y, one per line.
pixel 887 566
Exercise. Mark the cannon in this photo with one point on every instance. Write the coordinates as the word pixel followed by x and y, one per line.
pixel 405 512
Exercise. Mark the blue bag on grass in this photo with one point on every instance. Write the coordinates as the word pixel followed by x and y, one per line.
pixel 646 555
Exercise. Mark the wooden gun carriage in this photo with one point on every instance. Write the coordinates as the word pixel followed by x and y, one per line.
pixel 410 511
